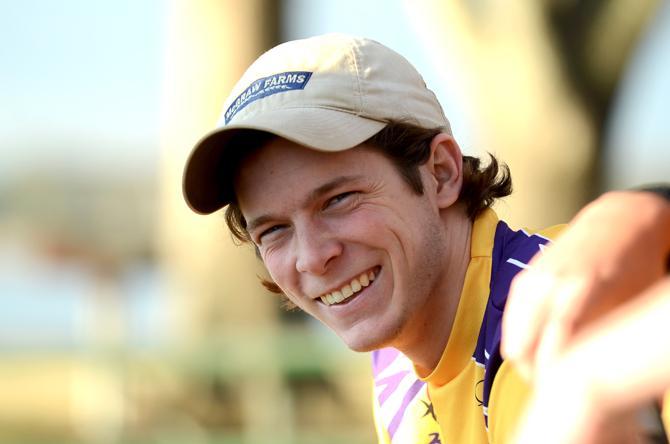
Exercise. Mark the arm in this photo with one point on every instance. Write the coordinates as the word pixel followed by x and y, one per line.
pixel 589 321
pixel 615 248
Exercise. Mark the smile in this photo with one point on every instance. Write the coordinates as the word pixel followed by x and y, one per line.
pixel 350 289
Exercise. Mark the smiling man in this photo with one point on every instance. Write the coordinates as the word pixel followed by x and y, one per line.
pixel 337 162
pixel 347 220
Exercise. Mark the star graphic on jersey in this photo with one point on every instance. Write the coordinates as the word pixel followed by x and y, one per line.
pixel 429 409
pixel 435 438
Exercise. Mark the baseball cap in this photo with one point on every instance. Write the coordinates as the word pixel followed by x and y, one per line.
pixel 330 93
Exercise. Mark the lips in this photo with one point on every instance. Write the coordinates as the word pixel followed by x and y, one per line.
pixel 352 288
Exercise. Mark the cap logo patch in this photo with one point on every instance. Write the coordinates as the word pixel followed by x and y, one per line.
pixel 266 86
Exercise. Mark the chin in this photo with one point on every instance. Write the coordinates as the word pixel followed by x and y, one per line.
pixel 362 348
pixel 366 342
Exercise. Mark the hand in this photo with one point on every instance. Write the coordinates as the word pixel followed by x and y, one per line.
pixel 593 393
pixel 613 249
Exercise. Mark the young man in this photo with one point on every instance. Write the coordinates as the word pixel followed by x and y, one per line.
pixel 339 165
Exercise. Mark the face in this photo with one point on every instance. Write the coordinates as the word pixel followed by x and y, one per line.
pixel 345 238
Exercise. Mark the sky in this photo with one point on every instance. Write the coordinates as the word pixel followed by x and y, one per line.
pixel 79 84
pixel 638 132
pixel 79 94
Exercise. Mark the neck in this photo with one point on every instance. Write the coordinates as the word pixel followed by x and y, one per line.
pixel 424 340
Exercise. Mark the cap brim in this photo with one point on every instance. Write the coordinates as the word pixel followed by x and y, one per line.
pixel 207 181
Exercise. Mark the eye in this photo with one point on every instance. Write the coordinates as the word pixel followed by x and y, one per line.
pixel 342 197
pixel 268 232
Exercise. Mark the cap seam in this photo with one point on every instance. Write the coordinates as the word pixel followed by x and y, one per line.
pixel 357 87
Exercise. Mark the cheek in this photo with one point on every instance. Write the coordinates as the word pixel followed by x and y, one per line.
pixel 367 226
pixel 278 266
pixel 379 230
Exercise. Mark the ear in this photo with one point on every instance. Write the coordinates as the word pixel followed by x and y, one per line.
pixel 445 166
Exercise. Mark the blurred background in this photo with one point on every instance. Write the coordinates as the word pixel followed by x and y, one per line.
pixel 125 318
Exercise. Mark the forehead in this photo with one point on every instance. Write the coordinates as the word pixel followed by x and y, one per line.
pixel 282 170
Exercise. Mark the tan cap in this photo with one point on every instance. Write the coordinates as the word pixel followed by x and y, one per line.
pixel 330 93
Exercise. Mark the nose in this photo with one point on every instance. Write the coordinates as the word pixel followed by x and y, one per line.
pixel 316 249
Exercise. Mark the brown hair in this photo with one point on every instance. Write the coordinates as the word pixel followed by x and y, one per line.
pixel 408 147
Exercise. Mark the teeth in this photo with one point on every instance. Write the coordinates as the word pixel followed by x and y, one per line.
pixel 337 296
pixel 356 285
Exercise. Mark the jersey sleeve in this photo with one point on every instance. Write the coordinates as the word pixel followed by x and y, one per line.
pixel 509 397
pixel 506 392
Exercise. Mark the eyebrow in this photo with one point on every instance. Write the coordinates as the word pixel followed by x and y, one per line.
pixel 311 197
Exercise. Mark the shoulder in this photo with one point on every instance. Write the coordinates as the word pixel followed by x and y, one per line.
pixel 512 251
